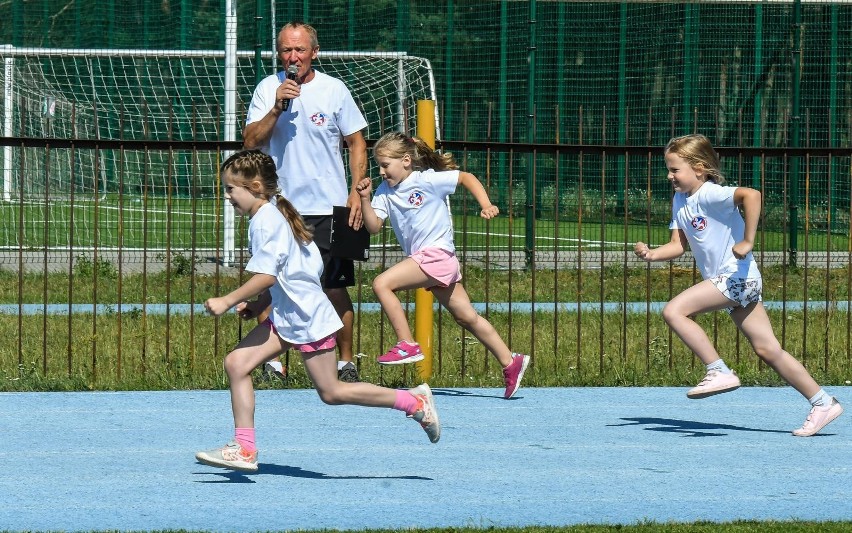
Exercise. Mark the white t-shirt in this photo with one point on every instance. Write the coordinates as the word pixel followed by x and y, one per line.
pixel 418 210
pixel 307 141
pixel 301 312
pixel 712 224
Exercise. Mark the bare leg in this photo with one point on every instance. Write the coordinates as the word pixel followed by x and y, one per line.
pixel 406 274
pixel 457 302
pixel 260 345
pixel 700 298
pixel 322 369
pixel 754 323
pixel 342 303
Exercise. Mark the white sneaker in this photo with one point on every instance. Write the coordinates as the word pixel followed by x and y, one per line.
pixel 714 382
pixel 426 415
pixel 231 455
pixel 274 368
pixel 818 418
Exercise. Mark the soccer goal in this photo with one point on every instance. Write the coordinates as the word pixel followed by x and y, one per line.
pixel 154 198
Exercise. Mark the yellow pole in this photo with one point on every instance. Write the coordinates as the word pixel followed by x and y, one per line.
pixel 423 315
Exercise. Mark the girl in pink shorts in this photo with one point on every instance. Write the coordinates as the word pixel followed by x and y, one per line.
pixel 286 267
pixel 417 182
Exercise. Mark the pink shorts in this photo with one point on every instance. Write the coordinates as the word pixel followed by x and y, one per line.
pixel 325 343
pixel 441 265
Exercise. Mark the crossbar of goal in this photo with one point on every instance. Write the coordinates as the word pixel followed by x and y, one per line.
pixel 422 87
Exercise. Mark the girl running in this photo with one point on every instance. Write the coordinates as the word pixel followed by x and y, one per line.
pixel 706 217
pixel 287 267
pixel 417 182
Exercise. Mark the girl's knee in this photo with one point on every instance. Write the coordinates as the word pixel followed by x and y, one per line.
pixel 231 364
pixel 380 285
pixel 671 314
pixel 769 352
pixel 330 396
pixel 377 284
pixel 467 319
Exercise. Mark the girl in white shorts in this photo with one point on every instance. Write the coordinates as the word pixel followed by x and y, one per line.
pixel 706 217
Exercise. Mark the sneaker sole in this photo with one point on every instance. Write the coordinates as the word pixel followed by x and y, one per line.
pixel 707 394
pixel 209 461
pixel 520 377
pixel 817 430
pixel 412 359
pixel 425 390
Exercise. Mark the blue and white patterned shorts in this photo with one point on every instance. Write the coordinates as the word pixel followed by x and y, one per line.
pixel 744 291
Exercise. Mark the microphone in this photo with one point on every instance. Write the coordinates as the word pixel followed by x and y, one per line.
pixel 292 71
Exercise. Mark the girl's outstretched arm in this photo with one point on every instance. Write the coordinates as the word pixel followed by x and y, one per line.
pixel 368 215
pixel 750 201
pixel 472 183
pixel 255 285
pixel 672 249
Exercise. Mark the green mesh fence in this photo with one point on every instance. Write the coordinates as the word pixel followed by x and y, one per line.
pixel 724 68
pixel 750 74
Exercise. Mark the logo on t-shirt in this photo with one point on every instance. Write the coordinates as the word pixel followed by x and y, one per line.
pixel 416 199
pixel 699 222
pixel 318 118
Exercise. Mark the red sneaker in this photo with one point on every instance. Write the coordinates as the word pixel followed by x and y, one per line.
pixel 513 373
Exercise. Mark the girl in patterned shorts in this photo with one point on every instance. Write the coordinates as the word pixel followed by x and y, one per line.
pixel 706 217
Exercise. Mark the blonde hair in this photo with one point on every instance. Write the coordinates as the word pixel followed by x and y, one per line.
pixel 697 150
pixel 397 145
pixel 255 171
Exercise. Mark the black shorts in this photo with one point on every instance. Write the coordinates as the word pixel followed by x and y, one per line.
pixel 336 273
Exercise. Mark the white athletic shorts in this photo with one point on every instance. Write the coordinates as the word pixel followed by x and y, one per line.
pixel 744 291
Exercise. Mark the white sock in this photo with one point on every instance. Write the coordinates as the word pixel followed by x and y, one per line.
pixel 720 366
pixel 820 399
pixel 341 364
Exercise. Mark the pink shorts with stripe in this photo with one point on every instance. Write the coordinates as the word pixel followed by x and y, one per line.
pixel 325 343
pixel 441 265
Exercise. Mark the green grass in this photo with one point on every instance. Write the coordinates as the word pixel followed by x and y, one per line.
pixel 137 351
pixel 178 222
pixel 610 284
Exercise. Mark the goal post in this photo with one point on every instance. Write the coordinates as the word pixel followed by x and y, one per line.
pixel 162 95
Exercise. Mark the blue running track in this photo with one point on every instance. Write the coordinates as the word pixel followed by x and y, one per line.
pixel 552 456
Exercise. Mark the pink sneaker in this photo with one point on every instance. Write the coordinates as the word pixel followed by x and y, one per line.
pixel 714 382
pixel 513 373
pixel 818 418
pixel 402 353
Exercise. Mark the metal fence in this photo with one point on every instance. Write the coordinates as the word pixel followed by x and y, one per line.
pixel 107 287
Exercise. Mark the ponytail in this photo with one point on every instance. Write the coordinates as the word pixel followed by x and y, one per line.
pixel 301 230
pixel 396 145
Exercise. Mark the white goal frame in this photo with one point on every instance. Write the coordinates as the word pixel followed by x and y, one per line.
pixel 230 57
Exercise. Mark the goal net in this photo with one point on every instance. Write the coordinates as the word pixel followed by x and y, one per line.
pixel 109 196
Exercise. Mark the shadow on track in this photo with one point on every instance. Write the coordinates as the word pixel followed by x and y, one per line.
pixel 268 469
pixel 689 428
